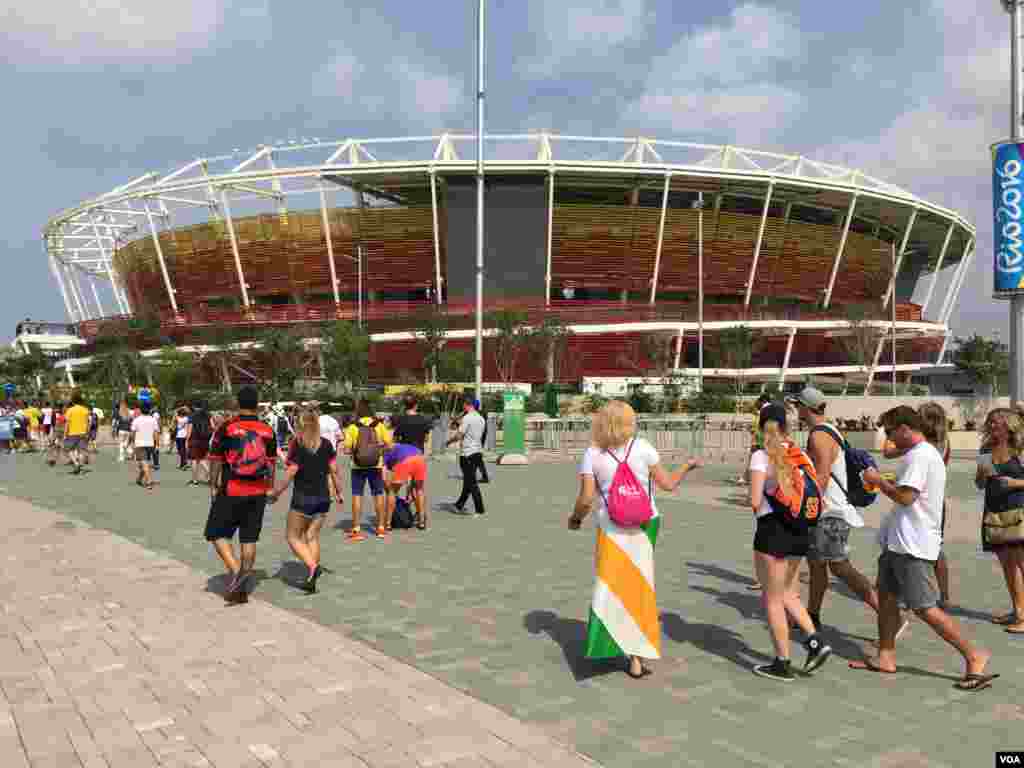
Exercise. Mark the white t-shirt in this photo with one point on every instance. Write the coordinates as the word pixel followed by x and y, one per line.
pixel 330 430
pixel 48 416
pixel 836 503
pixel 182 431
pixel 916 530
pixel 145 428
pixel 642 456
pixel 472 429
pixel 759 463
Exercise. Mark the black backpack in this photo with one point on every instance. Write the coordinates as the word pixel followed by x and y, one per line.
pixel 856 462
pixel 201 425
pixel 402 517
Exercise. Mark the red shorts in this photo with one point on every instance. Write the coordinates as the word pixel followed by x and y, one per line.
pixel 412 468
pixel 198 450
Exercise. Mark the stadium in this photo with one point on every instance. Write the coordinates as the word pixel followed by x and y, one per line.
pixel 619 238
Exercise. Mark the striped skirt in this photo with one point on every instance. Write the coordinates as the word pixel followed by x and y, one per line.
pixel 624 612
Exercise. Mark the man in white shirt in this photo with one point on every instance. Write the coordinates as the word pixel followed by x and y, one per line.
pixel 911 538
pixel 829 547
pixel 156 439
pixel 471 434
pixel 144 431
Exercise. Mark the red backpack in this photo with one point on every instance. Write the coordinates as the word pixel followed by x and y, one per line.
pixel 628 504
pixel 246 453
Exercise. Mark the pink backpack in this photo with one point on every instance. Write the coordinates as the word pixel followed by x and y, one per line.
pixel 628 504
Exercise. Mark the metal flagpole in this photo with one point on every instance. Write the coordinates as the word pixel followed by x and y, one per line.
pixel 480 201
pixel 700 291
pixel 1016 10
pixel 894 319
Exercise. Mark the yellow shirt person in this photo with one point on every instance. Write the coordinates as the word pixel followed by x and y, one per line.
pixel 383 435
pixel 76 421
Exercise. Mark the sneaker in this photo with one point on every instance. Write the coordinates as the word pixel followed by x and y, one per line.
pixel 382 532
pixel 817 653
pixel 355 535
pixel 777 670
pixel 235 584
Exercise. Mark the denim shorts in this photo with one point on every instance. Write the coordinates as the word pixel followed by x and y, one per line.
pixel 830 541
pixel 375 477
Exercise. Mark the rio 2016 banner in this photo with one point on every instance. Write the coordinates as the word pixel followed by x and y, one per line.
pixel 1008 202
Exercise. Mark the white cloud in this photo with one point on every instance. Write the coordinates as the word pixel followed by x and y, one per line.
pixel 572 32
pixel 99 31
pixel 723 79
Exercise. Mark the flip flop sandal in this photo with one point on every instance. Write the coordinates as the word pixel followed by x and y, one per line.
pixel 866 665
pixel 1007 618
pixel 1015 629
pixel 974 682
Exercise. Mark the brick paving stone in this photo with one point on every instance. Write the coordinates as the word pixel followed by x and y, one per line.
pixel 494 608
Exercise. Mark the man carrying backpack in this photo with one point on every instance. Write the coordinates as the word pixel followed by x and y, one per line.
pixel 243 457
pixel 366 441
pixel 829 548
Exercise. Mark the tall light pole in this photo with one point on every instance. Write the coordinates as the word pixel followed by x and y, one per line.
pixel 892 248
pixel 1016 10
pixel 480 201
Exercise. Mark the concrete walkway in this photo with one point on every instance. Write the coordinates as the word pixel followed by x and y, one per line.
pixel 112 656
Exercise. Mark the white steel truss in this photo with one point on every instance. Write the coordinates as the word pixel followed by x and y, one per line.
pixel 938 268
pixel 279 171
pixel 760 240
pixel 839 252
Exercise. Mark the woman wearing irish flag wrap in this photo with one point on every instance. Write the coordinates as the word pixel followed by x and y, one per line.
pixel 624 612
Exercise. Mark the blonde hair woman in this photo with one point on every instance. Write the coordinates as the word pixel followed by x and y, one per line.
pixel 311 463
pixel 779 547
pixel 936 425
pixel 624 612
pixel 1001 475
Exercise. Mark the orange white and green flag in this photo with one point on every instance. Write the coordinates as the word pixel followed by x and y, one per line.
pixel 624 612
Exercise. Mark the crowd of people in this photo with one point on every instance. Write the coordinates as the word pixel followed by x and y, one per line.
pixel 805 503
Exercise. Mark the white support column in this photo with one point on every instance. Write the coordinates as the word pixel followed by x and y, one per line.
pixel 942 351
pixel 551 233
pixel 760 240
pixel 69 275
pixel 899 261
pixel 121 303
pixel 275 184
pixel 661 237
pixel 938 268
pixel 874 364
pixel 67 374
pixel 437 236
pixel 960 284
pixel 954 287
pixel 679 349
pixel 160 257
pixel 96 295
pixel 785 358
pixel 63 289
pixel 330 246
pixel 234 247
pixel 839 252
pixel 700 291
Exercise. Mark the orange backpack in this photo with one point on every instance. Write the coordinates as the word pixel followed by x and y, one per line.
pixel 802 507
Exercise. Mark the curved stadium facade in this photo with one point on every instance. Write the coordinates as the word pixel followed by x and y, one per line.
pixel 613 236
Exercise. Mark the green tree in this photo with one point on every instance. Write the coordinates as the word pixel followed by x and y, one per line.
pixel 175 374
pixel 282 356
pixel 511 336
pixel 455 365
pixel 431 331
pixel 345 350
pixel 982 360
pixel 862 339
pixel 549 342
pixel 734 348
pixel 220 353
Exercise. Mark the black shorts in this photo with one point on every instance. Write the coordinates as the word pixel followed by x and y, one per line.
pixel 775 537
pixel 236 513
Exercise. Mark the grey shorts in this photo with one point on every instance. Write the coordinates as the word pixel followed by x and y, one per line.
pixel 910 578
pixel 830 541
pixel 74 443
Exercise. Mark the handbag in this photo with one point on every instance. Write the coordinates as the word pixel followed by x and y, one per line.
pixel 1003 527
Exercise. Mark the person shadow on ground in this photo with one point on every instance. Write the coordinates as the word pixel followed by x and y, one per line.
pixel 571 637
pixel 218 584
pixel 713 639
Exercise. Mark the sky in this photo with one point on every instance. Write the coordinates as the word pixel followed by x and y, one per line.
pixel 99 93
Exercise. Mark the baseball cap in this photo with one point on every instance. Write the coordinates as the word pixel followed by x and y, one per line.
pixel 811 398
pixel 773 412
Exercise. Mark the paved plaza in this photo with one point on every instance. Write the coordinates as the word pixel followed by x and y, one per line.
pixel 459 646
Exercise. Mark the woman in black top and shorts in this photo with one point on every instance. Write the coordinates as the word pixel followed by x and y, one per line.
pixel 311 462
pixel 778 549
